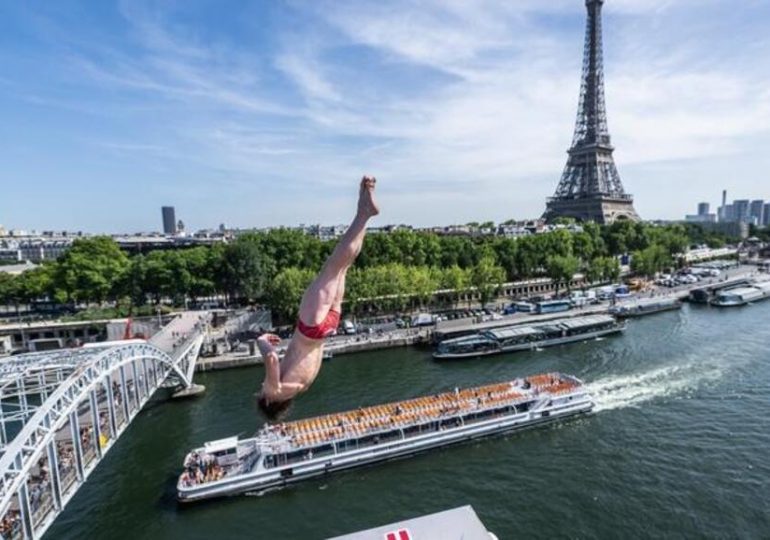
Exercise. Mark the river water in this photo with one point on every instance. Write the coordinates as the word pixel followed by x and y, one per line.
pixel 679 446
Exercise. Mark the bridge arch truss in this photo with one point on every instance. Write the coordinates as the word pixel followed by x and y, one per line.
pixel 62 411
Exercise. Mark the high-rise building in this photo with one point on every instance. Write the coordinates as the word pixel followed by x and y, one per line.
pixel 728 215
pixel 703 215
pixel 756 212
pixel 590 188
pixel 169 220
pixel 741 210
pixel 766 217
pixel 723 207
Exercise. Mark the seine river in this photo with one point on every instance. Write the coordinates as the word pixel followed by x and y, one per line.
pixel 679 446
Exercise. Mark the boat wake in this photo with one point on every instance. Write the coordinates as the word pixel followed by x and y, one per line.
pixel 618 392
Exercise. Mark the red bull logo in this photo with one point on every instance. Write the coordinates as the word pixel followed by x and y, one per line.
pixel 401 534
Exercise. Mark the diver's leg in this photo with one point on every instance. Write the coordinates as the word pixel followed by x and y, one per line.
pixel 322 294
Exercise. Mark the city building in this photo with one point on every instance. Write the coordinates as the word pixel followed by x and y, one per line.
pixel 723 207
pixel 35 249
pixel 9 254
pixel 169 220
pixel 740 210
pixel 766 216
pixel 590 188
pixel 733 229
pixel 756 212
pixel 698 218
pixel 512 231
pixel 703 215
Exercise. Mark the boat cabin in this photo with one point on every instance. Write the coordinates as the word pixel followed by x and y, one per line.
pixel 225 451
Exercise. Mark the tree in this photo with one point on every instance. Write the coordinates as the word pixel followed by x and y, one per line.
pixel 202 276
pixel 583 246
pixel 487 277
pixel 91 270
pixel 456 280
pixel 7 289
pixel 158 276
pixel 505 253
pixel 34 284
pixel 423 283
pixel 603 269
pixel 562 269
pixel 247 269
pixel 649 261
pixel 285 291
pixel 133 282
pixel 564 220
pixel 527 257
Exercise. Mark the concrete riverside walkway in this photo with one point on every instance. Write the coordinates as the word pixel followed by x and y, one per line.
pixel 335 346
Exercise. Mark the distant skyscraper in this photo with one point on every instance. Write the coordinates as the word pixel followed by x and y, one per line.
pixel 703 215
pixel 728 215
pixel 741 210
pixel 756 212
pixel 169 220
pixel 766 218
pixel 721 209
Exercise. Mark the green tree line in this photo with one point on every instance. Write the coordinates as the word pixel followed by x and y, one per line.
pixel 275 266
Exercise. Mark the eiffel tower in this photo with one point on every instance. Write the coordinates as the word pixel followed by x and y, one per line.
pixel 590 188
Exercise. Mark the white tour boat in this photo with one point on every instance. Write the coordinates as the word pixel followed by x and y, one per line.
pixel 528 337
pixel 285 453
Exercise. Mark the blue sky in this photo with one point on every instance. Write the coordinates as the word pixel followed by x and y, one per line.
pixel 258 113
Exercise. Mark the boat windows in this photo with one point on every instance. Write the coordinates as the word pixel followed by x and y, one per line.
pixel 450 423
pixel 411 430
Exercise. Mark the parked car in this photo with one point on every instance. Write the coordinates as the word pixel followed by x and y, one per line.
pixel 348 327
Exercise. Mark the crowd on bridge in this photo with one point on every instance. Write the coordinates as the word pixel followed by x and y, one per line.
pixel 10 525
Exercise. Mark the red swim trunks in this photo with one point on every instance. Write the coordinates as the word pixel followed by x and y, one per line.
pixel 322 330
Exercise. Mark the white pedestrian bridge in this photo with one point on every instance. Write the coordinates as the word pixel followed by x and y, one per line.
pixel 62 411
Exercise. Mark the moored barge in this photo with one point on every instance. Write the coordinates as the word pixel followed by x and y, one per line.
pixel 286 453
pixel 526 337
pixel 740 296
pixel 645 307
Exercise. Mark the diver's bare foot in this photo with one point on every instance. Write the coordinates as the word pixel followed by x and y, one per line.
pixel 366 205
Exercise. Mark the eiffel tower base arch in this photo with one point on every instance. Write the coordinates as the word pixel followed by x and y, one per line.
pixel 603 210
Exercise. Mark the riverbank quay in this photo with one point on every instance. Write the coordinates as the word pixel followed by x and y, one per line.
pixel 335 346
pixel 340 345
pixel 733 277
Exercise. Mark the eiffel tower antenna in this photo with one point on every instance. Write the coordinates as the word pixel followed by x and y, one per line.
pixel 590 188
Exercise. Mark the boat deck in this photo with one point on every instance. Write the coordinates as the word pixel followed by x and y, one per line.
pixel 339 426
